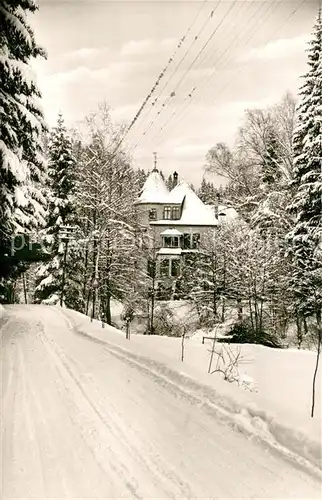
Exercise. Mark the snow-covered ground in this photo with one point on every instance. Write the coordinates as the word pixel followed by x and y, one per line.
pixel 277 399
pixel 87 413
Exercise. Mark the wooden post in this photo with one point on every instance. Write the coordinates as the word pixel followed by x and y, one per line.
pixel 127 336
pixel 182 343
pixel 24 287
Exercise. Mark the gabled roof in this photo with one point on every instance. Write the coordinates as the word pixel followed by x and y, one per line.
pixel 194 211
pixel 154 189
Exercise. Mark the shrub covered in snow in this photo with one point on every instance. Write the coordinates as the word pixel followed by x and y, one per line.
pixel 243 333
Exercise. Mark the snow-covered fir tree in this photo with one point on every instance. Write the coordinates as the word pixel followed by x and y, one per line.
pixel 306 235
pixel 207 192
pixel 22 167
pixel 61 213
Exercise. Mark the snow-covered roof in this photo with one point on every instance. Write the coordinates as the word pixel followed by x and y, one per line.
pixel 154 189
pixel 170 251
pixel 171 232
pixel 194 211
pixel 226 214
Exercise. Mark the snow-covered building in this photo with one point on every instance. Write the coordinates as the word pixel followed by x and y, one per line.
pixel 177 222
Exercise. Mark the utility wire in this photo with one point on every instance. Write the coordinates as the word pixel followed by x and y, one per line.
pixel 194 40
pixel 173 93
pixel 275 33
pixel 191 93
pixel 157 82
pixel 231 79
pixel 213 33
pixel 184 110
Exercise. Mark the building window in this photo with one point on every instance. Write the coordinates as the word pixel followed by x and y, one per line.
pixel 175 213
pixel 187 241
pixel 175 267
pixel 167 241
pixel 171 241
pixel 167 213
pixel 195 240
pixel 164 268
pixel 152 214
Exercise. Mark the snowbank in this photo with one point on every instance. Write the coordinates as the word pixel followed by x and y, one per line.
pixel 271 415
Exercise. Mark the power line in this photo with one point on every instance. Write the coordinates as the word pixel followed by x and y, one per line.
pixel 195 38
pixel 173 93
pixel 183 112
pixel 161 75
pixel 193 91
pixel 188 98
pixel 275 32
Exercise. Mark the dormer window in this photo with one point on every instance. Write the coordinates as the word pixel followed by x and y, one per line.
pixel 167 213
pixel 175 213
pixel 171 213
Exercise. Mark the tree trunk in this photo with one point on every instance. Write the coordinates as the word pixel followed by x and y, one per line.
pixel 182 343
pixel 318 319
pixel 256 312
pixel 224 291
pixel 299 329
pixel 262 301
pixel 64 274
pixel 127 335
pixel 240 309
pixel 88 301
pixel 151 330
pixel 108 313
pixel 86 267
pixel 214 283
pixel 24 287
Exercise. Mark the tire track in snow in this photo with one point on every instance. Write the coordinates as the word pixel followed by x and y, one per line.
pixel 134 447
pixel 218 462
pixel 92 439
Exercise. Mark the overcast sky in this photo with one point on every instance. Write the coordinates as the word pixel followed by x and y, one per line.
pixel 248 54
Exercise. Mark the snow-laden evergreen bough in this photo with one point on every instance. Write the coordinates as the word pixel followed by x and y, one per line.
pixel 306 236
pixel 22 166
pixel 65 256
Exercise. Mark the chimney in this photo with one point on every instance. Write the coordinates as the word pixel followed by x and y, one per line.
pixel 175 179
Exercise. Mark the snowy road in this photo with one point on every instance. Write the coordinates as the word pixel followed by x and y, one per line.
pixel 80 421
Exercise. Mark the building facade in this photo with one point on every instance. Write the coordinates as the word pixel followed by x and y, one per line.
pixel 177 224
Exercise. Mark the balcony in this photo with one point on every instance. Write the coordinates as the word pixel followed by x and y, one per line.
pixel 176 240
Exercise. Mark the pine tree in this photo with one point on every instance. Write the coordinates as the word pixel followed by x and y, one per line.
pixel 21 127
pixel 270 172
pixel 61 213
pixel 305 237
